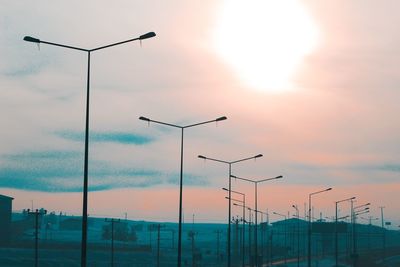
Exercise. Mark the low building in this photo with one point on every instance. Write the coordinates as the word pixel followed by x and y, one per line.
pixel 5 219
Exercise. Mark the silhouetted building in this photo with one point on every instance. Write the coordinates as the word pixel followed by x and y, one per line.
pixel 5 219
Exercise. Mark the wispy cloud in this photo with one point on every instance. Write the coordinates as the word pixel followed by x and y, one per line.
pixel 112 137
pixel 62 171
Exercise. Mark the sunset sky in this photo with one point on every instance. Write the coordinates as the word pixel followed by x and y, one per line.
pixel 312 85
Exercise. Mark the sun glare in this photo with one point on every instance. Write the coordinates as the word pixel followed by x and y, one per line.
pixel 264 40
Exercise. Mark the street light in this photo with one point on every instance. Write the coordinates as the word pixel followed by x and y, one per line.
pixel 86 159
pixel 181 171
pixel 298 233
pixel 249 227
pixel 230 192
pixel 309 222
pixel 255 204
pixel 355 214
pixel 336 230
pixel 244 221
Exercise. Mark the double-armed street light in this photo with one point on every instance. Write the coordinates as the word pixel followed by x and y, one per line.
pixel 229 163
pixel 309 223
pixel 244 221
pixel 256 182
pixel 181 171
pixel 86 159
pixel 336 230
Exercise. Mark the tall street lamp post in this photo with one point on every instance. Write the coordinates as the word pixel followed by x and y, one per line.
pixel 336 230
pixel 230 163
pixel 244 221
pixel 181 172
pixel 309 223
pixel 86 159
pixel 256 182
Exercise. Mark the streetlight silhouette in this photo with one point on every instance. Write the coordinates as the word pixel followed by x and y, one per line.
pixel 285 233
pixel 181 172
pixel 355 213
pixel 249 222
pixel 37 213
pixel 230 192
pixel 298 233
pixel 336 230
pixel 86 159
pixel 255 202
pixel 309 222
pixel 244 220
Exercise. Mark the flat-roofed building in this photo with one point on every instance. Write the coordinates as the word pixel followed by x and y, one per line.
pixel 5 219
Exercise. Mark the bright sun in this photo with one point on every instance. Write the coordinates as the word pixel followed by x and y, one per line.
pixel 264 40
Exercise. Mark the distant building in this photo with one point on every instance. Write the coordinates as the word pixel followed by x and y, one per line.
pixel 5 219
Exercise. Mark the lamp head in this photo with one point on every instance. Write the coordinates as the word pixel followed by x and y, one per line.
pixel 147 35
pixel 353 198
pixel 201 157
pixel 258 156
pixel 31 39
pixel 233 176
pixel 225 189
pixel 330 188
pixel 221 118
pixel 278 177
pixel 144 118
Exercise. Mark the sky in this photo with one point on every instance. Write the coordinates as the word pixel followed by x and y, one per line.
pixel 312 85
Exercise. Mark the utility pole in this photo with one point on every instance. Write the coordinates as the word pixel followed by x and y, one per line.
pixel 112 222
pixel 37 213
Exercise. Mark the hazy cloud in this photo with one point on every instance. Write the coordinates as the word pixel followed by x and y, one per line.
pixel 62 171
pixel 113 137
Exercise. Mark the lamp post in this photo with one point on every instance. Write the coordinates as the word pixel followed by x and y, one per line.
pixel 309 223
pixel 298 234
pixel 230 163
pixel 181 172
pixel 256 182
pixel 86 159
pixel 244 221
pixel 355 212
pixel 285 230
pixel 336 230
pixel 37 213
